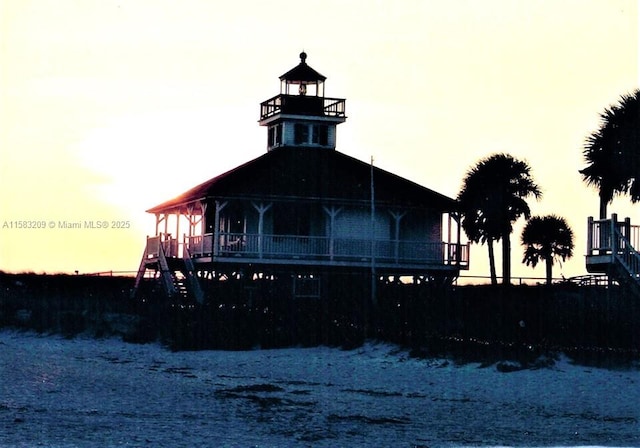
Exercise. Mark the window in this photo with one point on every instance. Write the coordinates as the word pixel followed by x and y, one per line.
pixel 278 134
pixel 275 135
pixel 301 134
pixel 270 137
pixel 233 229
pixel 320 135
pixel 292 219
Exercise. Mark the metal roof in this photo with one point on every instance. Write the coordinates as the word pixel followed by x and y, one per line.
pixel 302 72
pixel 316 174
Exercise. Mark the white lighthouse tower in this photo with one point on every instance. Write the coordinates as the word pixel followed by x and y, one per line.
pixel 301 116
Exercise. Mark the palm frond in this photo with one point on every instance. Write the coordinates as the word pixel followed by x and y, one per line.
pixel 612 152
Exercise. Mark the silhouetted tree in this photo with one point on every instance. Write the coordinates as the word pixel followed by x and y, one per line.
pixel 612 152
pixel 492 198
pixel 474 220
pixel 546 238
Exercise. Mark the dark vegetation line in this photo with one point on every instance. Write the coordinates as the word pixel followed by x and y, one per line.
pixel 467 323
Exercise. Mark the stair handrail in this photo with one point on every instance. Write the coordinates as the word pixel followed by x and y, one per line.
pixel 191 276
pixel 625 254
pixel 142 269
pixel 165 273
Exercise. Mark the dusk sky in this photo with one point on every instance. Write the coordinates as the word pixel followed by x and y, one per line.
pixel 109 107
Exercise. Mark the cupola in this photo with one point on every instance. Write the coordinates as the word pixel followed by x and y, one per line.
pixel 300 115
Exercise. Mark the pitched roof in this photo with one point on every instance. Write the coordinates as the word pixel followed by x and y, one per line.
pixel 311 173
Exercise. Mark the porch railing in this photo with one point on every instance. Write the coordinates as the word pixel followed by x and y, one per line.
pixel 327 248
pixel 614 241
pixel 608 236
pixel 168 244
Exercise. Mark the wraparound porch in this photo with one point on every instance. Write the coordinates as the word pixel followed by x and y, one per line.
pixel 293 249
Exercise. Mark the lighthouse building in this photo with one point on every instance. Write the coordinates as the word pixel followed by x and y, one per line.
pixel 301 215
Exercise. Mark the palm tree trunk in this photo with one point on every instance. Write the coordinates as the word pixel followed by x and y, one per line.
pixel 506 259
pixel 549 266
pixel 603 207
pixel 492 262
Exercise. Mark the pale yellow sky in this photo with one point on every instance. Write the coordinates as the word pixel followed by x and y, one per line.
pixel 110 107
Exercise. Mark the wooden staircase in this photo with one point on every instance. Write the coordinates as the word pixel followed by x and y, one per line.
pixel 176 274
pixel 626 266
pixel 180 286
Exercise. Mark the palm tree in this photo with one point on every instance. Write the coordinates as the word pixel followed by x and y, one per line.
pixel 474 217
pixel 492 198
pixel 612 152
pixel 546 238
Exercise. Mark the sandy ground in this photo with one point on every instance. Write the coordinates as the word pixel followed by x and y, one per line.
pixel 83 392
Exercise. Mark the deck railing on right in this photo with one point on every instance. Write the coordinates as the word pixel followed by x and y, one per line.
pixel 611 248
pixel 606 236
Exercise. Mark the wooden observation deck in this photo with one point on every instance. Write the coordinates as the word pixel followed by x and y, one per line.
pixel 611 250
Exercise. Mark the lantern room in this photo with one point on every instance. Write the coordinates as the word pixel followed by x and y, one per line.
pixel 302 80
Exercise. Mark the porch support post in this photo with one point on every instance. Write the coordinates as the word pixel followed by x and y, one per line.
pixel 613 236
pixel 450 252
pixel 203 210
pixel 190 218
pixel 261 209
pixel 216 227
pixel 459 242
pixel 397 216
pixel 333 213
pixel 178 216
pixel 157 223
pixel 166 224
pixel 590 235
pixel 627 230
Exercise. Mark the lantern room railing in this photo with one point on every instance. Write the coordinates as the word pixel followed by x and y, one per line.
pixel 302 105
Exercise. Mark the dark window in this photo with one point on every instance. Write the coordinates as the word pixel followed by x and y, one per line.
pixel 320 135
pixel 209 218
pixel 278 134
pixel 289 219
pixel 301 134
pixel 231 219
pixel 275 135
pixel 271 138
pixel 233 228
